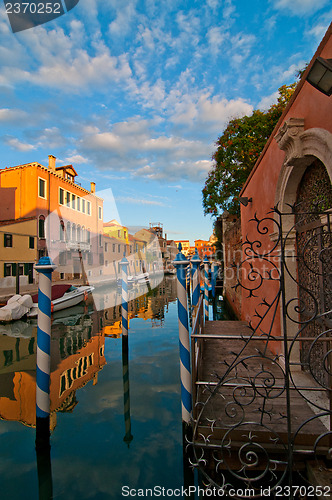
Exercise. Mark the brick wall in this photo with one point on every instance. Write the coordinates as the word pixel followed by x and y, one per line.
pixel 232 247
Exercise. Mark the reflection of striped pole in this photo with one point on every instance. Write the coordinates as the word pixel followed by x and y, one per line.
pixel 126 396
pixel 181 263
pixel 124 309
pixel 206 263
pixel 45 267
pixel 195 262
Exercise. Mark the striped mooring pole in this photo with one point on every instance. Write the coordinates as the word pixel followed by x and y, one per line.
pixel 45 268
pixel 206 263
pixel 195 262
pixel 124 309
pixel 181 264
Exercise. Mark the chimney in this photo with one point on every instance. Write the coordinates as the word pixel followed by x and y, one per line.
pixel 93 187
pixel 51 162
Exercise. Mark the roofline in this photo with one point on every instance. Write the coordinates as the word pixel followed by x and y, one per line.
pixel 289 105
pixel 8 222
pixel 59 167
pixel 36 164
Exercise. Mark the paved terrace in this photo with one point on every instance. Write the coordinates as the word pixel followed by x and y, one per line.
pixel 251 389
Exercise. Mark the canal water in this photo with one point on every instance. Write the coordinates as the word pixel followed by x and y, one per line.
pixel 98 445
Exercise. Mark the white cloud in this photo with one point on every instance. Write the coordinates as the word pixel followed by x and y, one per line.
pixel 195 171
pixel 216 110
pixel 76 158
pixel 11 115
pixel 242 45
pixel 215 37
pixel 267 101
pixel 138 201
pixel 205 109
pixel 319 30
pixel 135 147
pixel 228 10
pixel 50 137
pixel 299 7
pixel 59 60
pixel 124 17
pixel 15 143
pixel 82 71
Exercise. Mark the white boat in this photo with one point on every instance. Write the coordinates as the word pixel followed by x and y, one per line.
pixel 71 297
pixel 142 278
pixel 132 280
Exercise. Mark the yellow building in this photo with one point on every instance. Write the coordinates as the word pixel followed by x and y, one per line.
pixel 185 246
pixel 18 247
pixel 115 230
pixel 137 255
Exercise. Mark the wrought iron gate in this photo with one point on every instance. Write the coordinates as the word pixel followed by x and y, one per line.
pixel 266 412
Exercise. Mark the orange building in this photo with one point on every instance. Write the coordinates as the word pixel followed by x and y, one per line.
pixel 68 218
pixel 205 248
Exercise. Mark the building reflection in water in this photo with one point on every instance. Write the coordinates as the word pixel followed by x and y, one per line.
pixel 77 351
pixel 77 355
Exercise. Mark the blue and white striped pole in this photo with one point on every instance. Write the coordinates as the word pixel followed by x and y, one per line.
pixel 206 263
pixel 195 262
pixel 181 264
pixel 45 267
pixel 124 309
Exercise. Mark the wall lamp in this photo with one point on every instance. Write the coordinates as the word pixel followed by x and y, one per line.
pixel 320 75
pixel 244 200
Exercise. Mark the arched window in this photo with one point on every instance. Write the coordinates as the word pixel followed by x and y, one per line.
pixel 41 226
pixel 62 230
pixel 79 233
pixel 73 232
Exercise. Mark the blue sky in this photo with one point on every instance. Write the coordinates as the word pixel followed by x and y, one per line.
pixel 134 93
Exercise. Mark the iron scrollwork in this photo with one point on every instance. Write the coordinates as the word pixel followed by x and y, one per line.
pixel 268 404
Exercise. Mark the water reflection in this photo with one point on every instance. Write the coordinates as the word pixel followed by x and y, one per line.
pixel 77 351
pixel 91 420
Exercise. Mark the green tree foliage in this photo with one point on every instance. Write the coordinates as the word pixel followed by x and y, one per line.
pixel 238 149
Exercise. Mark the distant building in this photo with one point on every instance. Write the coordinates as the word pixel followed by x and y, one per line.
pixel 116 230
pixel 154 261
pixel 172 249
pixel 205 248
pixel 185 246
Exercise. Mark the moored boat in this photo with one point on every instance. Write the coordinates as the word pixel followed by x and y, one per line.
pixel 63 296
